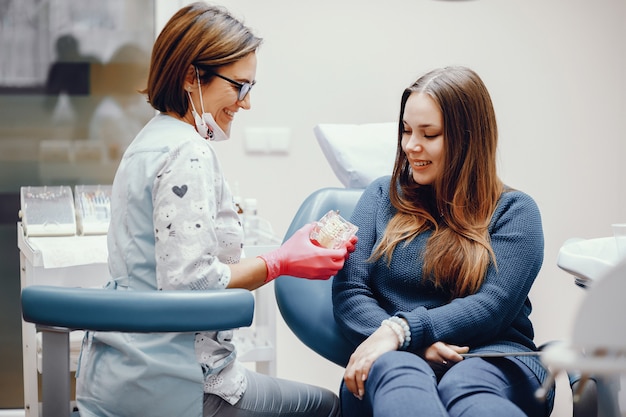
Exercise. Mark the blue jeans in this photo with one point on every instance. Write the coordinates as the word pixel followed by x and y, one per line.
pixel 402 384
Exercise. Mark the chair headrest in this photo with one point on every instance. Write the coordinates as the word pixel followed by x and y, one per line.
pixel 358 154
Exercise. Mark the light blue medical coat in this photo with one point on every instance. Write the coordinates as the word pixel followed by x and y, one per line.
pixel 159 374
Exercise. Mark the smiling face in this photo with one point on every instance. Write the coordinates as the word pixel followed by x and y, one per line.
pixel 422 138
pixel 220 97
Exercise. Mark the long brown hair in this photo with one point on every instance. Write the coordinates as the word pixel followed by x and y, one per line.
pixel 458 206
pixel 205 36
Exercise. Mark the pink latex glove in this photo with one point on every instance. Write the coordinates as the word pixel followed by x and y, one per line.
pixel 299 257
pixel 351 246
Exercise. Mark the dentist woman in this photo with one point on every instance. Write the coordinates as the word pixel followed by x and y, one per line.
pixel 174 227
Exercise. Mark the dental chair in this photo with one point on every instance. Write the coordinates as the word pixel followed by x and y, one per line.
pixel 596 347
pixel 58 310
pixel 356 155
pixel 306 305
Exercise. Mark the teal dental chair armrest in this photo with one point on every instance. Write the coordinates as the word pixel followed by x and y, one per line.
pixel 57 310
pixel 306 305
pixel 137 311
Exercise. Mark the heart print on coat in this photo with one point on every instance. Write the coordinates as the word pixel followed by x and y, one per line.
pixel 180 191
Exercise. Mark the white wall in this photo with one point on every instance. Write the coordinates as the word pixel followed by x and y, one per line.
pixel 555 69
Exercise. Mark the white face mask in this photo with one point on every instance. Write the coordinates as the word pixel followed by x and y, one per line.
pixel 206 125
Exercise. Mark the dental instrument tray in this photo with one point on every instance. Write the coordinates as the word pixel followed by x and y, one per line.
pixel 93 209
pixel 47 211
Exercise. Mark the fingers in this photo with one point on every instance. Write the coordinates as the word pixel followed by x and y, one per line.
pixel 327 273
pixel 351 384
pixel 441 353
pixel 383 340
pixel 355 377
pixel 351 244
pixel 459 349
pixel 453 352
pixel 360 383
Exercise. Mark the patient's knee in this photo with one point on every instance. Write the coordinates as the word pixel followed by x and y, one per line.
pixel 399 365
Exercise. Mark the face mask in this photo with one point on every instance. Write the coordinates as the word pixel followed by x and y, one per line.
pixel 206 125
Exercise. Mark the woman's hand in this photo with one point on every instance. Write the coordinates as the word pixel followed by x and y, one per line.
pixel 441 356
pixel 299 257
pixel 351 245
pixel 381 341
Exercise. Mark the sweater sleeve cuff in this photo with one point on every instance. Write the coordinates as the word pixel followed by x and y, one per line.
pixel 420 327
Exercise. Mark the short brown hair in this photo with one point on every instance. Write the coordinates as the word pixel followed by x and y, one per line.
pixel 202 35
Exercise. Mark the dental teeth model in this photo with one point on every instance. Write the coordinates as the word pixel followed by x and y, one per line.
pixel 332 231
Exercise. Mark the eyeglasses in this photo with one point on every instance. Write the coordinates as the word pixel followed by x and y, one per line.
pixel 244 88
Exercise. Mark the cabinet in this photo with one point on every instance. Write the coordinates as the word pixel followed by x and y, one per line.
pixel 55 261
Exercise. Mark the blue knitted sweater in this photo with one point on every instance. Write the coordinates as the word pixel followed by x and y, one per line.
pixel 496 318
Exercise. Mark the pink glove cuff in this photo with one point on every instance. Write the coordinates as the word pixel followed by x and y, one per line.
pixel 273 266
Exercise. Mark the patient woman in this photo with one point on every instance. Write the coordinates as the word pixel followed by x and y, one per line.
pixel 174 227
pixel 446 257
